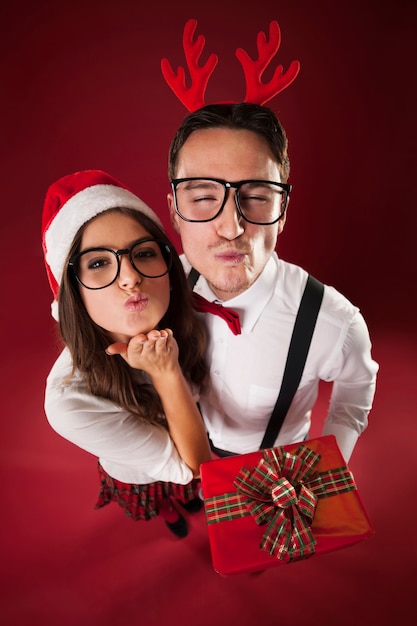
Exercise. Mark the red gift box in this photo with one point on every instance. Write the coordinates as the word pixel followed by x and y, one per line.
pixel 280 505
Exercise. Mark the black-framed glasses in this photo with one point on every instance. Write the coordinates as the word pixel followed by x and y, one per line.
pixel 260 202
pixel 97 268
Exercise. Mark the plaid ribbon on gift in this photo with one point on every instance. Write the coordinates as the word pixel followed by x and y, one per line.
pixel 282 491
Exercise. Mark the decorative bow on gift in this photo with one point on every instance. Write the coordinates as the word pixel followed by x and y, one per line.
pixel 282 491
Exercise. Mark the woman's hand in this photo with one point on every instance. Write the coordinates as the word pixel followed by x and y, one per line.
pixel 155 352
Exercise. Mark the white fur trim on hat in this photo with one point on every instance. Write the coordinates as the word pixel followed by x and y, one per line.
pixel 78 210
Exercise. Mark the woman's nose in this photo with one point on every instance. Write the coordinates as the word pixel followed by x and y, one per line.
pixel 128 275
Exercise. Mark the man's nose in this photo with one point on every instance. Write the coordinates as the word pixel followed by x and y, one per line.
pixel 229 224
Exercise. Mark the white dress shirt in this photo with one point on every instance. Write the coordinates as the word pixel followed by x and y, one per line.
pixel 130 450
pixel 246 370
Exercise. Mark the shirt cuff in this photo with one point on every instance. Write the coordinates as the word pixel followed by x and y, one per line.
pixel 346 438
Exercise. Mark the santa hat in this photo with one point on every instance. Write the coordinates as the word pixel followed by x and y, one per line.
pixel 71 202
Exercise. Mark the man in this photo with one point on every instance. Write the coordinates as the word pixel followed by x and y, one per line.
pixel 229 233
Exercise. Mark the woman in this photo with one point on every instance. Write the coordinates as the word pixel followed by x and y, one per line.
pixel 125 386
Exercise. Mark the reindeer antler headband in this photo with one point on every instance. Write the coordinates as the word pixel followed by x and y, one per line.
pixel 256 91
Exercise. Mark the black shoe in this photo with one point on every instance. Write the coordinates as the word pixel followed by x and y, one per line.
pixel 179 527
pixel 193 506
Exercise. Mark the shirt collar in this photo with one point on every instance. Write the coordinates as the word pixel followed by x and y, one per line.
pixel 251 302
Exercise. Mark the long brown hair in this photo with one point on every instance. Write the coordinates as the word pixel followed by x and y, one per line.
pixel 111 377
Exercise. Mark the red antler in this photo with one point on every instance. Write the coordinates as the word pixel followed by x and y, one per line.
pixel 256 91
pixel 192 97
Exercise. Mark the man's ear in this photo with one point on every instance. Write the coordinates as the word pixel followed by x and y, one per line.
pixel 173 215
pixel 283 219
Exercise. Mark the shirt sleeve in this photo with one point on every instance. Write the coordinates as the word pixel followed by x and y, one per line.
pixel 353 388
pixel 130 450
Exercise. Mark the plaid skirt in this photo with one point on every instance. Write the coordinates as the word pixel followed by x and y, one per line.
pixel 141 502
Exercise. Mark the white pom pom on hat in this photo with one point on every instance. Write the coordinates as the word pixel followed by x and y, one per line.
pixel 72 201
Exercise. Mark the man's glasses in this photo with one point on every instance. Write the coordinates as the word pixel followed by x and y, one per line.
pixel 97 268
pixel 260 202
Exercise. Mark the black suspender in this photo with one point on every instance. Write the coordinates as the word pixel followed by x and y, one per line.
pixel 193 277
pixel 296 358
pixel 297 354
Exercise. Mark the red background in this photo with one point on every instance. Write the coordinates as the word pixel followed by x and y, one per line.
pixel 81 87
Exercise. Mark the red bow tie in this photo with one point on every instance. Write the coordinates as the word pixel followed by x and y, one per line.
pixel 230 317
